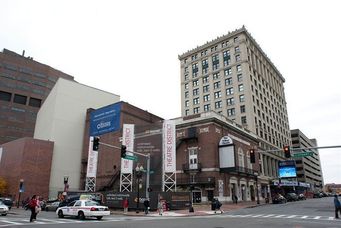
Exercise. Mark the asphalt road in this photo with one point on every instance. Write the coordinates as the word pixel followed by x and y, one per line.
pixel 310 213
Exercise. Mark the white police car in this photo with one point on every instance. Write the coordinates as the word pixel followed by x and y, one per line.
pixel 3 209
pixel 83 209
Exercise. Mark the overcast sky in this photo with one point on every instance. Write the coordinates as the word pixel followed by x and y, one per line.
pixel 131 48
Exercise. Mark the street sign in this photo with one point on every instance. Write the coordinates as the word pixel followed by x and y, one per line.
pixel 305 154
pixel 130 157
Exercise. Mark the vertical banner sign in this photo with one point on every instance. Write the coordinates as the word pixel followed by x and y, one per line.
pixel 169 148
pixel 92 160
pixel 128 141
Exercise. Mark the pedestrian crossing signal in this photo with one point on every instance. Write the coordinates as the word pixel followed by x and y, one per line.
pixel 123 151
pixel 95 144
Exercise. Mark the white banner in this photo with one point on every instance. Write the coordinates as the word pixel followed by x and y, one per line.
pixel 169 147
pixel 92 160
pixel 128 141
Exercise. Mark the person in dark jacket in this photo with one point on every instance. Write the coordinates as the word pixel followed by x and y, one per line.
pixel 32 205
pixel 337 207
pixel 146 206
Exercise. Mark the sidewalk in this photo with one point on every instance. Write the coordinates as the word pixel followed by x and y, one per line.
pixel 200 209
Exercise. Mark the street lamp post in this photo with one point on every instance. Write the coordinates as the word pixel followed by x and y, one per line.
pixel 256 174
pixel 139 170
pixel 21 189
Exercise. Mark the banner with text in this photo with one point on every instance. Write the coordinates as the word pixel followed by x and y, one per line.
pixel 169 147
pixel 92 160
pixel 128 141
pixel 106 119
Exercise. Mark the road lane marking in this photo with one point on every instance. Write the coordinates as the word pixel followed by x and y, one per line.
pixel 11 222
pixel 292 216
pixel 255 216
pixel 317 217
pixel 267 216
pixel 279 216
pixel 304 217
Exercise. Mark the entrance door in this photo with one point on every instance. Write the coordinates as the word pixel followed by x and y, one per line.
pixel 196 197
pixel 210 195
pixel 252 192
pixel 193 158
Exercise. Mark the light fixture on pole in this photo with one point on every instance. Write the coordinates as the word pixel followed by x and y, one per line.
pixel 138 171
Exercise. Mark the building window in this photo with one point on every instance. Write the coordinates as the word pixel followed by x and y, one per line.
pixel 196 110
pixel 19 99
pixel 226 58
pixel 237 58
pixel 186 77
pixel 218 104
pixel 5 96
pixel 235 39
pixel 34 102
pixel 186 103
pixel 242 98
pixel 195 69
pixel 186 69
pixel 231 112
pixel 205 79
pixel 207 107
pixel 230 101
pixel 186 86
pixel 243 119
pixel 216 85
pixel 228 81
pixel 241 88
pixel 186 112
pixel 186 94
pixel 195 83
pixel 215 62
pixel 216 76
pixel 242 109
pixel 236 49
pixel 206 88
pixel 195 92
pixel 240 77
pixel 206 97
pixel 217 94
pixel 228 71
pixel 229 91
pixel 196 101
pixel 239 68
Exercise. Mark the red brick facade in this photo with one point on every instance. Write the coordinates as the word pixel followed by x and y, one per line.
pixel 28 159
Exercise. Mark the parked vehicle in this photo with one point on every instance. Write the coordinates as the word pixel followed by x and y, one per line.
pixel 52 206
pixel 291 197
pixel 82 209
pixel 301 197
pixel 278 198
pixel 3 209
pixel 7 201
pixel 317 195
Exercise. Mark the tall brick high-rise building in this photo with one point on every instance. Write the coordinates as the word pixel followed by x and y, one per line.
pixel 234 77
pixel 24 85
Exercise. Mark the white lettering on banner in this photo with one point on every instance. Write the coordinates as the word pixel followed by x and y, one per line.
pixel 128 141
pixel 103 125
pixel 169 146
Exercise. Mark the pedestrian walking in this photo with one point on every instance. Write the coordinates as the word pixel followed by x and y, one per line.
pixel 337 207
pixel 235 199
pixel 146 206
pixel 125 205
pixel 217 206
pixel 32 205
pixel 160 207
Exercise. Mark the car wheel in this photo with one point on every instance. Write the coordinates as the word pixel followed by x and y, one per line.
pixel 99 217
pixel 81 215
pixel 60 214
pixel 3 214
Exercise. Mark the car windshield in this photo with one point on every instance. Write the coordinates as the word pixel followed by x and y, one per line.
pixel 91 203
pixel 1 203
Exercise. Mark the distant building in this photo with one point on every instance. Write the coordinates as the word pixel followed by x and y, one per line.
pixel 24 86
pixel 333 188
pixel 308 168
pixel 234 77
pixel 61 119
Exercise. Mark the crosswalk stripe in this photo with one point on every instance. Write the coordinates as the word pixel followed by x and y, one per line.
pixel 317 217
pixel 255 216
pixel 267 216
pixel 331 218
pixel 279 216
pixel 292 216
pixel 11 222
pixel 304 217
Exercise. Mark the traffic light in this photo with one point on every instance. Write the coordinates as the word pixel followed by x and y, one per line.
pixel 123 151
pixel 95 144
pixel 287 151
pixel 252 156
